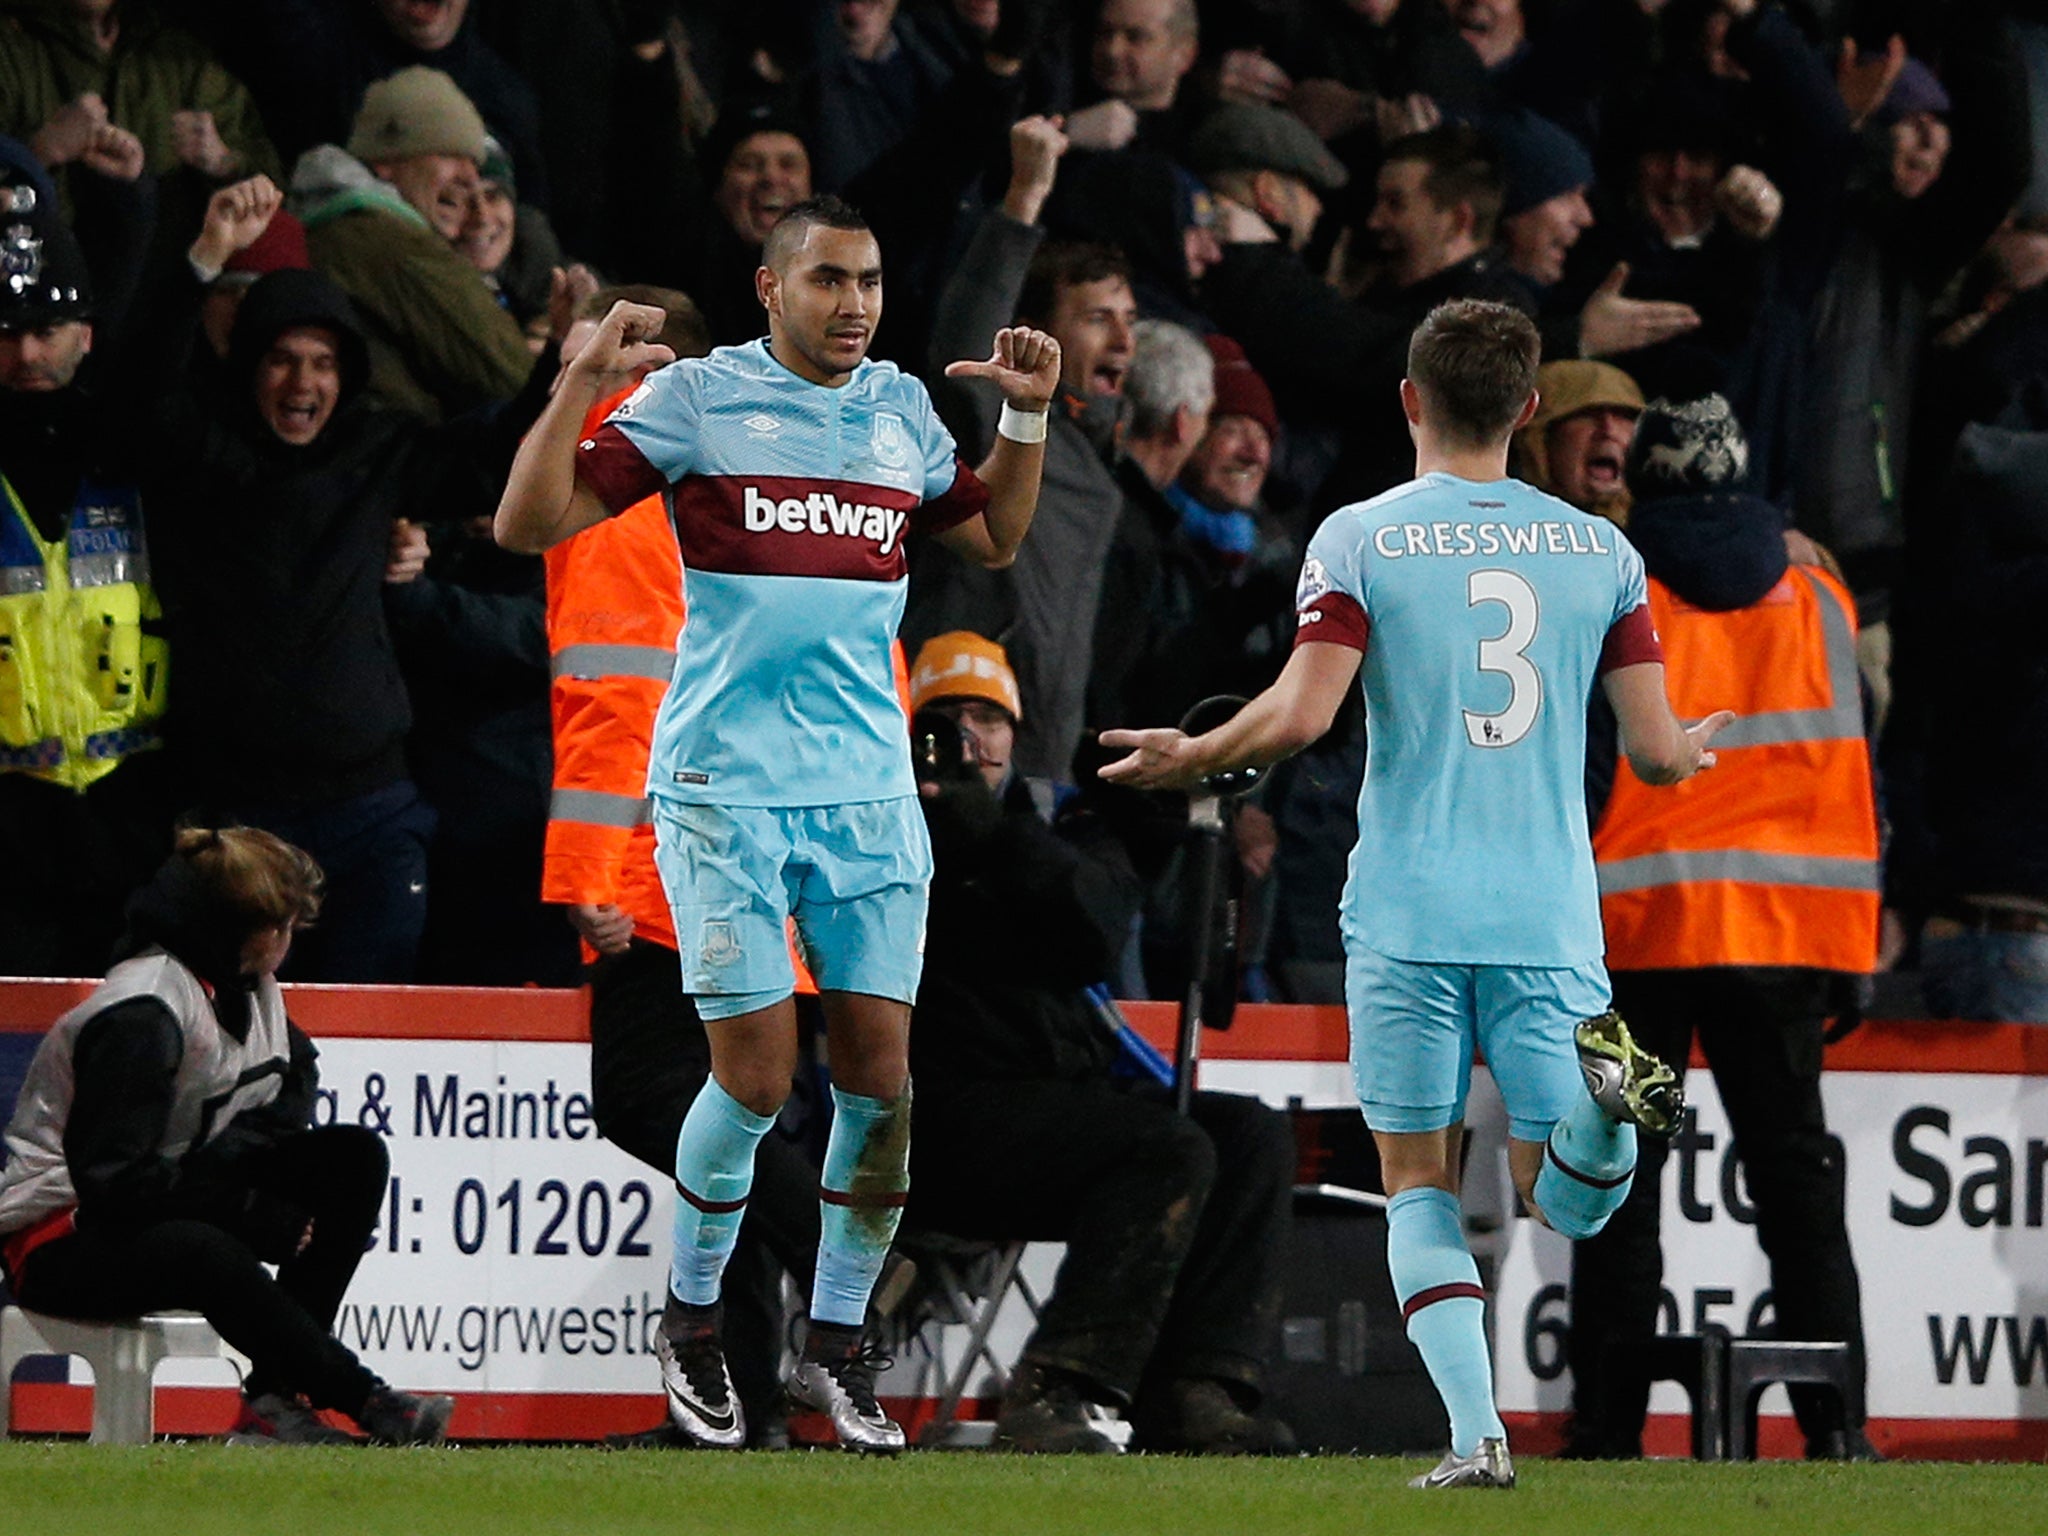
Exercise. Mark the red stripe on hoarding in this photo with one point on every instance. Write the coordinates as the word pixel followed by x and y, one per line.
pixel 1282 1032
pixel 1670 1434
pixel 46 1409
pixel 351 1012
pixel 1261 1032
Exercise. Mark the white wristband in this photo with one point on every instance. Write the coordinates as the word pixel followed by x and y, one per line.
pixel 1021 426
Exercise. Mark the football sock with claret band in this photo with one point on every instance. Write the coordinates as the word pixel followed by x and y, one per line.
pixel 1588 1165
pixel 1438 1287
pixel 714 1173
pixel 861 1193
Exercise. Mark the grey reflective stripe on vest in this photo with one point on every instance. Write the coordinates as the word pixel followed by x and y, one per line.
pixel 1841 720
pixel 598 807
pixel 613 661
pixel 1650 870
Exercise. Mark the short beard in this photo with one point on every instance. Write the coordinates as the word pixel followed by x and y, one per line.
pixel 1613 505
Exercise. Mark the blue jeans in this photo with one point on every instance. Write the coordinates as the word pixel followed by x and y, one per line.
pixel 2001 977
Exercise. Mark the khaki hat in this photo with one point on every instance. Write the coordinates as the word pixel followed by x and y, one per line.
pixel 1567 388
pixel 1242 136
pixel 418 111
pixel 963 665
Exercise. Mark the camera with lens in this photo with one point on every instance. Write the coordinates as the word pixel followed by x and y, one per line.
pixel 940 751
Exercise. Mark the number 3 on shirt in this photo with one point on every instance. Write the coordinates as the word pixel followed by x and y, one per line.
pixel 1504 654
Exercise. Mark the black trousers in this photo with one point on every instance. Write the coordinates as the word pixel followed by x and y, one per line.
pixel 336 1175
pixel 1761 1032
pixel 88 853
pixel 649 1056
pixel 1174 1226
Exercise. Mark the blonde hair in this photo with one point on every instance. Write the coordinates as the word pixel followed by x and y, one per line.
pixel 255 874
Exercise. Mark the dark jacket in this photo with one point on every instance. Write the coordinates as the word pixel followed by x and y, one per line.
pixel 1378 453
pixel 1152 661
pixel 1753 298
pixel 1987 746
pixel 273 557
pixel 308 63
pixel 472 643
pixel 1870 321
pixel 1023 918
pixel 1044 606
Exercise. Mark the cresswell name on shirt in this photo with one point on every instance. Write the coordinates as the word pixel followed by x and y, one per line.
pixel 1324 613
pixel 825 514
pixel 1397 541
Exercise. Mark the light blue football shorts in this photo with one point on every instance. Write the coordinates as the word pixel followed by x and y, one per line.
pixel 1414 1025
pixel 854 877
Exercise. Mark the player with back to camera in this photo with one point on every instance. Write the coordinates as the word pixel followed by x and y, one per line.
pixel 780 773
pixel 1480 613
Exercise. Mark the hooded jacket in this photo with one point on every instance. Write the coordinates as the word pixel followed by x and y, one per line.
pixel 272 564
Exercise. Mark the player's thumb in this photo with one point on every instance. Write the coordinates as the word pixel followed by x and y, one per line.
pixel 966 368
pixel 1615 281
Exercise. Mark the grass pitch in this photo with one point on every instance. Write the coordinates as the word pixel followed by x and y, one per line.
pixel 201 1490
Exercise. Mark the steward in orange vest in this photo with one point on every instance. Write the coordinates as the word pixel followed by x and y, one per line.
pixel 1771 859
pixel 1741 910
pixel 614 608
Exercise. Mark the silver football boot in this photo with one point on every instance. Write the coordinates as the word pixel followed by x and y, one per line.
pixel 1488 1467
pixel 836 1377
pixel 701 1402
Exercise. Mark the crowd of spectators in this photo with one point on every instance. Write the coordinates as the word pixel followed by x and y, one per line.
pixel 283 281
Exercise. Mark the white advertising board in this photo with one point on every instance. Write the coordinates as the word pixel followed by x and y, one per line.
pixel 1945 1206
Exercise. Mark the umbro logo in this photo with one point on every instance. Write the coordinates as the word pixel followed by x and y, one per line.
pixel 761 424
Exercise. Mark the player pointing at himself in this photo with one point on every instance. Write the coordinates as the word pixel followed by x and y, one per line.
pixel 1480 613
pixel 780 774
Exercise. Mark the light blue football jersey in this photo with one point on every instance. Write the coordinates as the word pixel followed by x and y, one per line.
pixel 791 502
pixel 1485 611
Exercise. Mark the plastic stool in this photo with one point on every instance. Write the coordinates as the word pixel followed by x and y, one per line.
pixel 123 1356
pixel 1698 1362
pixel 1754 1364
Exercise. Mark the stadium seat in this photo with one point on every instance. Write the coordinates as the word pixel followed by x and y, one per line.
pixel 960 1283
pixel 1755 1364
pixel 123 1356
pixel 1698 1362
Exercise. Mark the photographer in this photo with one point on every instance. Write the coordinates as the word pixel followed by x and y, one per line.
pixel 1168 1294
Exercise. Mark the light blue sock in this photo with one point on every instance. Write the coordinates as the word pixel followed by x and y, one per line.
pixel 1588 1165
pixel 866 1176
pixel 1438 1287
pixel 714 1173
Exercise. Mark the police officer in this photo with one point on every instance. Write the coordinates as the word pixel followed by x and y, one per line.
pixel 84 802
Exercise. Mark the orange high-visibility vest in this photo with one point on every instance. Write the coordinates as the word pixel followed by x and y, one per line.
pixel 1769 858
pixel 615 606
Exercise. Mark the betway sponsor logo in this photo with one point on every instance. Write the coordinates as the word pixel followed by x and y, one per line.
pixel 821 512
